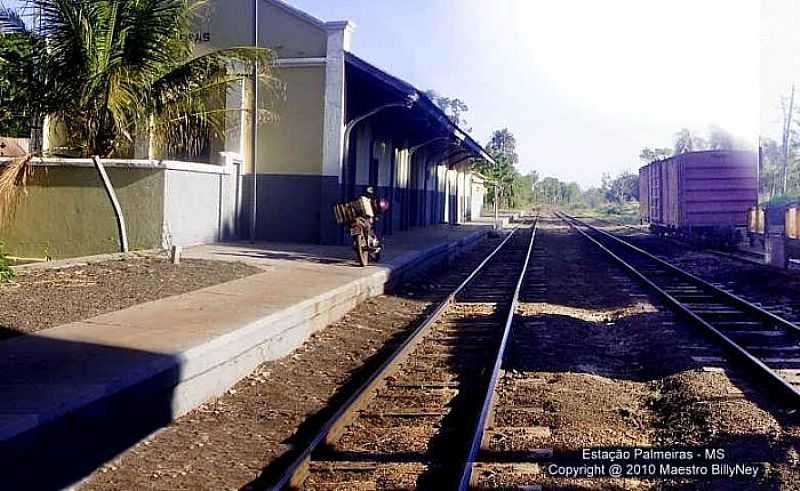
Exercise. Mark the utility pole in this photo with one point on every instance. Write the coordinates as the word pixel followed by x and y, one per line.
pixel 496 226
pixel 787 130
pixel 254 129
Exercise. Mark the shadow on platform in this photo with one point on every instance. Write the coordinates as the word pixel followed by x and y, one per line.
pixel 56 454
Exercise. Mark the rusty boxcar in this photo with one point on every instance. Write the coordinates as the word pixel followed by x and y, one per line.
pixel 700 196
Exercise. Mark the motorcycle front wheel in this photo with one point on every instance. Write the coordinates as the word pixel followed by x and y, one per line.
pixel 375 253
pixel 361 248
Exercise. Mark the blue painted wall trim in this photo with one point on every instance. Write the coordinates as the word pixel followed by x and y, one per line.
pixel 297 208
pixel 291 208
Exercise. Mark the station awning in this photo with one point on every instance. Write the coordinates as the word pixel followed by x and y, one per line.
pixel 393 89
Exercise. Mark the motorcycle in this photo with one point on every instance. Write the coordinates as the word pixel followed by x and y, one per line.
pixel 359 217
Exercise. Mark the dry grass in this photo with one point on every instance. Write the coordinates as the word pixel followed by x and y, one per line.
pixel 14 178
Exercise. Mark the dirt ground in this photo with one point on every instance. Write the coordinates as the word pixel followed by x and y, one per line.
pixel 225 444
pixel 41 299
pixel 596 362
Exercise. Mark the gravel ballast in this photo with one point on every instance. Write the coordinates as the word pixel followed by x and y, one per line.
pixel 597 362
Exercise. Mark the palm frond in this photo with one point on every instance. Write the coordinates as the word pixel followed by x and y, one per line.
pixel 188 103
pixel 11 22
pixel 14 177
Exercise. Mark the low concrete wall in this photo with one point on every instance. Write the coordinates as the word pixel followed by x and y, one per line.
pixel 199 207
pixel 66 212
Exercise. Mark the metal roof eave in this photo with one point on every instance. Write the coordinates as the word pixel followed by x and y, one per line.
pixel 421 100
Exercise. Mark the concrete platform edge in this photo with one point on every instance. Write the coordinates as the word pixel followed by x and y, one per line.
pixel 225 360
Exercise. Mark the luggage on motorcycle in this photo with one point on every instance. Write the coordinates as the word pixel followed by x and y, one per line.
pixel 358 208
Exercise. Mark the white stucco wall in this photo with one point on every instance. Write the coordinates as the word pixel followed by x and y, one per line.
pixel 199 207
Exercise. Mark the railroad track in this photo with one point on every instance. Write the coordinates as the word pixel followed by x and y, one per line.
pixel 419 420
pixel 766 342
pixel 737 254
pixel 665 247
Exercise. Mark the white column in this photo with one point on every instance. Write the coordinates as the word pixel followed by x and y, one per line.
pixel 247 127
pixel 334 123
pixel 333 128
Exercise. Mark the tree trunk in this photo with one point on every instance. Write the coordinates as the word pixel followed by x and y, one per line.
pixel 37 136
pixel 112 196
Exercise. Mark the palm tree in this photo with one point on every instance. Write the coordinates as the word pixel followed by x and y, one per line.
pixel 15 52
pixel 119 65
pixel 105 70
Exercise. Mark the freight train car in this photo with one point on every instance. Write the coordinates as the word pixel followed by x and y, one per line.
pixel 703 197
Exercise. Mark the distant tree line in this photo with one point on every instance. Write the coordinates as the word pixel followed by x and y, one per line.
pixel 518 190
pixel 513 189
pixel 685 141
pixel 779 162
pixel 623 187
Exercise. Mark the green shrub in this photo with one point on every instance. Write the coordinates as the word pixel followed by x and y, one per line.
pixel 779 200
pixel 6 273
pixel 626 213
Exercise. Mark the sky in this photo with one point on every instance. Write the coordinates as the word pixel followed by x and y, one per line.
pixel 585 85
pixel 780 59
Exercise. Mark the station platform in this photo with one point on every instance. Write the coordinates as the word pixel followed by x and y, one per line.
pixel 75 395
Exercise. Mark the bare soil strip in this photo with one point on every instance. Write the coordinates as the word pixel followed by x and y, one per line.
pixel 40 299
pixel 597 362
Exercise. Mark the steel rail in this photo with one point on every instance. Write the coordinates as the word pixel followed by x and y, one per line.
pixel 491 394
pixel 295 473
pixel 728 343
pixel 740 255
pixel 731 297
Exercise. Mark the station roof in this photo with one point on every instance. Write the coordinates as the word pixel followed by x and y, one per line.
pixel 418 101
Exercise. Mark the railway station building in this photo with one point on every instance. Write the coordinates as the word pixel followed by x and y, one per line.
pixel 341 124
